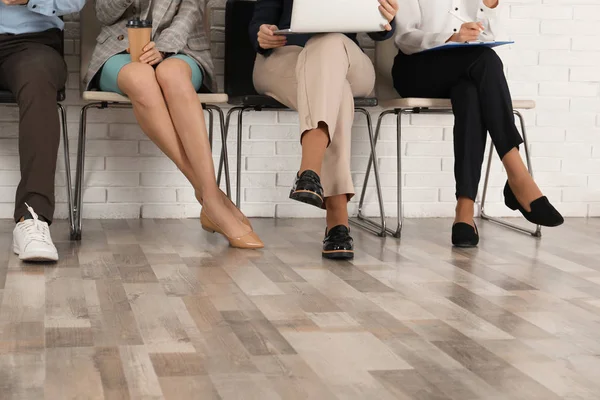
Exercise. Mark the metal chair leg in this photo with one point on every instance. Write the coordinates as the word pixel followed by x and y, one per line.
pixel 537 232
pixel 222 159
pixel 79 172
pixel 210 125
pixel 400 211
pixel 396 233
pixel 363 222
pixel 65 137
pixel 238 180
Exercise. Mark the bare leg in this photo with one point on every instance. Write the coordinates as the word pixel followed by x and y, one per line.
pixel 139 82
pixel 337 211
pixel 465 209
pixel 175 79
pixel 519 179
pixel 314 145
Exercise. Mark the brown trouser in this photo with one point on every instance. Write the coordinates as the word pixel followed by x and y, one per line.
pixel 320 81
pixel 32 68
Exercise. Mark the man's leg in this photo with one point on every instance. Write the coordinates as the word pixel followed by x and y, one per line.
pixel 34 73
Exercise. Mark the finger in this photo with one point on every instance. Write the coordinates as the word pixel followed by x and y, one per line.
pixel 388 7
pixel 389 16
pixel 268 29
pixel 149 46
pixel 148 56
pixel 273 39
pixel 394 4
pixel 472 25
pixel 267 46
pixel 387 27
pixel 145 56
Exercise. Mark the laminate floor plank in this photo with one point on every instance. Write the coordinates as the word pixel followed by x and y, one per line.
pixel 162 310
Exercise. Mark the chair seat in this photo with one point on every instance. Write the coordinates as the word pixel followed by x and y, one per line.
pixel 262 101
pixel 417 102
pixel 7 97
pixel 110 97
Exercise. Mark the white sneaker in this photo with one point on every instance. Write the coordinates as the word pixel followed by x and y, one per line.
pixel 32 241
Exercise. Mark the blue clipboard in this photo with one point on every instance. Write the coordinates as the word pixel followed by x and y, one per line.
pixel 455 45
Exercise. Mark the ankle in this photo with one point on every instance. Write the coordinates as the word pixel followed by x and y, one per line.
pixel 331 225
pixel 303 169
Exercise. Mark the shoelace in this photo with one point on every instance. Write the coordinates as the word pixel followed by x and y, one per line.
pixel 36 230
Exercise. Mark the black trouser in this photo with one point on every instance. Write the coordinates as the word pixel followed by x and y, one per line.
pixel 32 68
pixel 473 78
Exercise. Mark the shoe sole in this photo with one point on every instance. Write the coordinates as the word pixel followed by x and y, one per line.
pixel 307 197
pixel 465 246
pixel 339 255
pixel 35 257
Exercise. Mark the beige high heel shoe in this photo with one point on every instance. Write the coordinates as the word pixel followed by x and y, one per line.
pixel 244 219
pixel 248 241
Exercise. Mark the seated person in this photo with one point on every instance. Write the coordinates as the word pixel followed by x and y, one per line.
pixel 473 78
pixel 163 88
pixel 319 76
pixel 33 70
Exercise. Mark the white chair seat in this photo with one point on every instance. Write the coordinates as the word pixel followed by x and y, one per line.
pixel 416 102
pixel 110 97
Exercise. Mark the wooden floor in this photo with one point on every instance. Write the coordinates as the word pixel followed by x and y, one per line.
pixel 155 309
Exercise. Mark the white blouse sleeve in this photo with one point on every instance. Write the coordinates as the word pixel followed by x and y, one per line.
pixel 491 19
pixel 410 39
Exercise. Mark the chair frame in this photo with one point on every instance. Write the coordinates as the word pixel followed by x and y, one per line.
pixel 398 112
pixel 77 203
pixel 245 108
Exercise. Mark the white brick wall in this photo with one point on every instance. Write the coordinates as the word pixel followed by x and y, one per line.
pixel 555 61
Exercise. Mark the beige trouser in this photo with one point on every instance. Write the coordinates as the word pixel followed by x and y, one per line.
pixel 320 81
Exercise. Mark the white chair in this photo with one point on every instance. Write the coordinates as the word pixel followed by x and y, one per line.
pixel 389 100
pixel 90 28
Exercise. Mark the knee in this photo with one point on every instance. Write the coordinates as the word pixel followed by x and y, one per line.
pixel 138 81
pixel 490 59
pixel 329 44
pixel 41 80
pixel 465 93
pixel 175 75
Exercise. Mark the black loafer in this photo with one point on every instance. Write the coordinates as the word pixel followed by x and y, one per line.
pixel 338 244
pixel 307 189
pixel 542 212
pixel 464 235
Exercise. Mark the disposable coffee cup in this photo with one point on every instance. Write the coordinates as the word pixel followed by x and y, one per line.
pixel 139 32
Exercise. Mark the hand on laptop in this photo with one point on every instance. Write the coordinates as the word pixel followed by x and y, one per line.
pixel 268 40
pixel 389 9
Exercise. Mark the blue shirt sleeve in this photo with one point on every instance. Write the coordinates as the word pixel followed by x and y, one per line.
pixel 52 8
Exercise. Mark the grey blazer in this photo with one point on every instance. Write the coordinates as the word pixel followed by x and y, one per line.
pixel 177 27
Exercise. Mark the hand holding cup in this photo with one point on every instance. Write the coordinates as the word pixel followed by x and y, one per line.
pixel 151 55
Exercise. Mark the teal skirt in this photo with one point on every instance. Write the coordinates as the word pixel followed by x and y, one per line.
pixel 112 67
